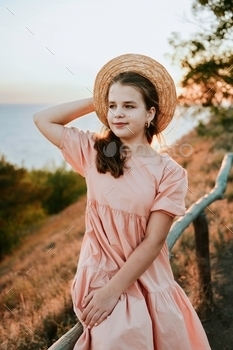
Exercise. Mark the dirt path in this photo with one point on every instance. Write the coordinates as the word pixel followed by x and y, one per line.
pixel 219 325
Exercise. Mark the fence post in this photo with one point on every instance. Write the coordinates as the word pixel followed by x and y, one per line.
pixel 203 261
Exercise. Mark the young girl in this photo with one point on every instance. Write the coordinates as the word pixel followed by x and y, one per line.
pixel 124 292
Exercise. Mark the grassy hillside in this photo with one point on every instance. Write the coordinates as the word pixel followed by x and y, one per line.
pixel 203 167
pixel 35 280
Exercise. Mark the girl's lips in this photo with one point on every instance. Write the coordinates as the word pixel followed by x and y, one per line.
pixel 119 124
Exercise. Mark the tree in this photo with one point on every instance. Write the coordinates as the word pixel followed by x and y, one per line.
pixel 207 59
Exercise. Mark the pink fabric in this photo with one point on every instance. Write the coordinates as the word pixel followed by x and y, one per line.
pixel 154 313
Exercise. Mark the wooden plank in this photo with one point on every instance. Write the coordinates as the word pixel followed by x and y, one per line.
pixel 68 340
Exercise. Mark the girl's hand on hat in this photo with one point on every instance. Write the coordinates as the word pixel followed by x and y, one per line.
pixel 97 305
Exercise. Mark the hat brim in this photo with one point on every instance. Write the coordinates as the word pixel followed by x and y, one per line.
pixel 148 68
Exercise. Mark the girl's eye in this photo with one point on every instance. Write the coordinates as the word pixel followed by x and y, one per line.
pixel 111 106
pixel 128 106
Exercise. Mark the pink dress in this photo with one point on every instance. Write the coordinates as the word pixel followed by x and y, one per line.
pixel 154 313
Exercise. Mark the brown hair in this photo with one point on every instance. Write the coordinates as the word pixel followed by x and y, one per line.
pixel 109 157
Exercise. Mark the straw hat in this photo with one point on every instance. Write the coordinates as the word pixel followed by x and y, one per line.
pixel 148 68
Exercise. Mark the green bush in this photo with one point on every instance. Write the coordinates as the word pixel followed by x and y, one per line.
pixel 64 189
pixel 27 197
pixel 220 122
pixel 201 129
pixel 16 194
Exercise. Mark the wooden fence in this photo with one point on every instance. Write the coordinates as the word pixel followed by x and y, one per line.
pixel 196 215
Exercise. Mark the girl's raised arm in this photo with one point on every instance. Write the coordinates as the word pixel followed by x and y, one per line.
pixel 51 121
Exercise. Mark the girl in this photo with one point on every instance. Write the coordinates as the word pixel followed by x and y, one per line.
pixel 124 292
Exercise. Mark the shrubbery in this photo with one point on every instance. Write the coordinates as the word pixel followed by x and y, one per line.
pixel 221 121
pixel 27 197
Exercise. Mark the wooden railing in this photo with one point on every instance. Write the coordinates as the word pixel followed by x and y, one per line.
pixel 196 215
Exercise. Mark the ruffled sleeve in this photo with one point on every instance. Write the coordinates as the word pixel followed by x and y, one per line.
pixel 77 148
pixel 172 190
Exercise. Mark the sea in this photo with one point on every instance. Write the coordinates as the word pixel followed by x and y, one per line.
pixel 23 145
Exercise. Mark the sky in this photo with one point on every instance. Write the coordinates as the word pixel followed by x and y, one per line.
pixel 51 50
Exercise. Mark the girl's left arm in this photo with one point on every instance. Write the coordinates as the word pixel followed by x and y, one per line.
pixel 100 303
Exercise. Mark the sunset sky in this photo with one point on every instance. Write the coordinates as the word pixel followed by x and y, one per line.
pixel 51 50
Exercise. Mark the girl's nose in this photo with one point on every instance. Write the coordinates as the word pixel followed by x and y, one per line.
pixel 118 113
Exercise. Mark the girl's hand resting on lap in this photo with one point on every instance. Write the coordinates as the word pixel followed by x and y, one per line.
pixel 97 306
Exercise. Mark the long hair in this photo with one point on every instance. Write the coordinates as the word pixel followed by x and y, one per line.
pixel 109 156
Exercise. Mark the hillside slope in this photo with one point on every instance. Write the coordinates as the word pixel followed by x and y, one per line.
pixel 35 280
pixel 203 166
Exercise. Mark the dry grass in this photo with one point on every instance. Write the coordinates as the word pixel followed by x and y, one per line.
pixel 35 280
pixel 202 167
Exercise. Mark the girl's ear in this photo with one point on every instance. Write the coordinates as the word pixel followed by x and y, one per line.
pixel 151 114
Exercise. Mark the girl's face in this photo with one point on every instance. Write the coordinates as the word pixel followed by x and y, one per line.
pixel 127 114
